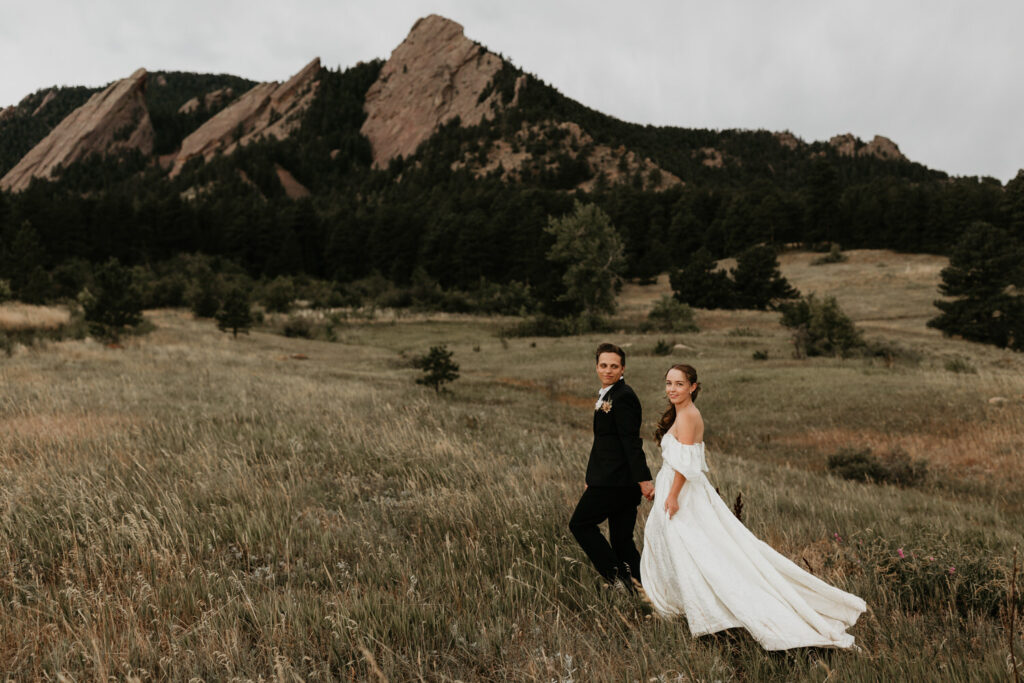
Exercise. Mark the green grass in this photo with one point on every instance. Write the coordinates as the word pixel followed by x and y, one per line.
pixel 193 506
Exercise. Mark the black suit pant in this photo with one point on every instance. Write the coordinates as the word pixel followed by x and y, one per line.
pixel 618 504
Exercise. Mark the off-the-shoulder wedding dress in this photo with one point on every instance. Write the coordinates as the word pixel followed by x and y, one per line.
pixel 705 564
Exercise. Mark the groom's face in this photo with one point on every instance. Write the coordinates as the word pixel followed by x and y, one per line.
pixel 609 368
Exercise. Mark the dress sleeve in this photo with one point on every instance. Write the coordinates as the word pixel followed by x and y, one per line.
pixel 686 460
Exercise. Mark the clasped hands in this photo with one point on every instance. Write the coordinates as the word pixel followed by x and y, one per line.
pixel 647 490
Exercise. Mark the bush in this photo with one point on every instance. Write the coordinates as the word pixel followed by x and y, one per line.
pixel 960 365
pixel 761 354
pixel 5 291
pixel 298 326
pixel 663 348
pixel 670 315
pixel 891 352
pixel 820 327
pixel 896 468
pixel 835 255
pixel 278 295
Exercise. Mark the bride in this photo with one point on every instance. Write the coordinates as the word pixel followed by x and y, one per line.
pixel 699 560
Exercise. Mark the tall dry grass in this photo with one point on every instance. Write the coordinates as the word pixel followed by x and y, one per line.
pixel 197 507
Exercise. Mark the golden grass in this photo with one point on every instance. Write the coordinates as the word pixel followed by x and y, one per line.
pixel 19 316
pixel 193 507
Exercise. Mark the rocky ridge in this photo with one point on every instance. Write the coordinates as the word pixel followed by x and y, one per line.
pixel 113 120
pixel 519 156
pixel 880 147
pixel 268 109
pixel 433 76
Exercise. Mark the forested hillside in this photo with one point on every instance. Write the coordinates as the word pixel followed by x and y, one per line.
pixel 453 210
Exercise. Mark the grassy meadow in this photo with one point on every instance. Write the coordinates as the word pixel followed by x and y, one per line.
pixel 192 507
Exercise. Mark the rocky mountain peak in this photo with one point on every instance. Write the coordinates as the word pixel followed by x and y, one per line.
pixel 433 76
pixel 112 120
pixel 268 109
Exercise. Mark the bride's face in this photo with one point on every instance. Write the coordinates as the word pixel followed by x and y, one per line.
pixel 677 387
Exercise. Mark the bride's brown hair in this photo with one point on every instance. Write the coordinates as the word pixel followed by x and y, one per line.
pixel 665 423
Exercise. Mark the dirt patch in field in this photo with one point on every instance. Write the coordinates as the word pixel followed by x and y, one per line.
pixel 560 396
pixel 957 450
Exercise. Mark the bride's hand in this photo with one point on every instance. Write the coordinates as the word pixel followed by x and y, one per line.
pixel 671 506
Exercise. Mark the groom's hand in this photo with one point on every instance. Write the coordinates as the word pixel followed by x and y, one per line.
pixel 647 489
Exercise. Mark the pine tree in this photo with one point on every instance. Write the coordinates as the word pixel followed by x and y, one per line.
pixel 700 284
pixel 438 367
pixel 758 282
pixel 116 303
pixel 984 266
pixel 236 312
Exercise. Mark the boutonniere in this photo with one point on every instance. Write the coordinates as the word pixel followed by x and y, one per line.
pixel 606 406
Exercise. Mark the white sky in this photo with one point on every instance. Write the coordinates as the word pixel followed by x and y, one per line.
pixel 940 78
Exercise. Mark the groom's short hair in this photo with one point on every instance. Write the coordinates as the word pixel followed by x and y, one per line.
pixel 610 348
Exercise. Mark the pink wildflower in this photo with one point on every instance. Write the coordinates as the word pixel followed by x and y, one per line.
pixel 839 539
pixel 952 570
pixel 900 553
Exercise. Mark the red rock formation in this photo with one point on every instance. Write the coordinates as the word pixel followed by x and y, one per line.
pixel 268 109
pixel 435 75
pixel 113 119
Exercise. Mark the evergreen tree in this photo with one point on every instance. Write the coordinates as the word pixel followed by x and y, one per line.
pixel 700 284
pixel 758 282
pixel 983 268
pixel 438 367
pixel 592 251
pixel 116 303
pixel 236 313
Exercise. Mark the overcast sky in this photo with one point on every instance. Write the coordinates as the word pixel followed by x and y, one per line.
pixel 941 79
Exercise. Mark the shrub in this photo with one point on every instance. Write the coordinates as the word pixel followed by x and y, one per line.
pixel 961 365
pixel 5 291
pixel 760 354
pixel 834 255
pixel 671 315
pixel 891 352
pixel 820 327
pixel 298 326
pixel 438 367
pixel 663 348
pixel 896 468
pixel 279 294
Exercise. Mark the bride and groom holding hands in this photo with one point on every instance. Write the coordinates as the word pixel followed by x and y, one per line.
pixel 698 561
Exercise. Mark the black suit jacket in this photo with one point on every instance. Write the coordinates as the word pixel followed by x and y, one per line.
pixel 617 456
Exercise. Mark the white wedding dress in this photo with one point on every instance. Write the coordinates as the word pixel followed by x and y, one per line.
pixel 705 564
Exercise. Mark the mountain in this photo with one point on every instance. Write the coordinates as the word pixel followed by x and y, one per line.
pixel 444 160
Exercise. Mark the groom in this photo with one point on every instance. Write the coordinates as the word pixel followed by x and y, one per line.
pixel 617 474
